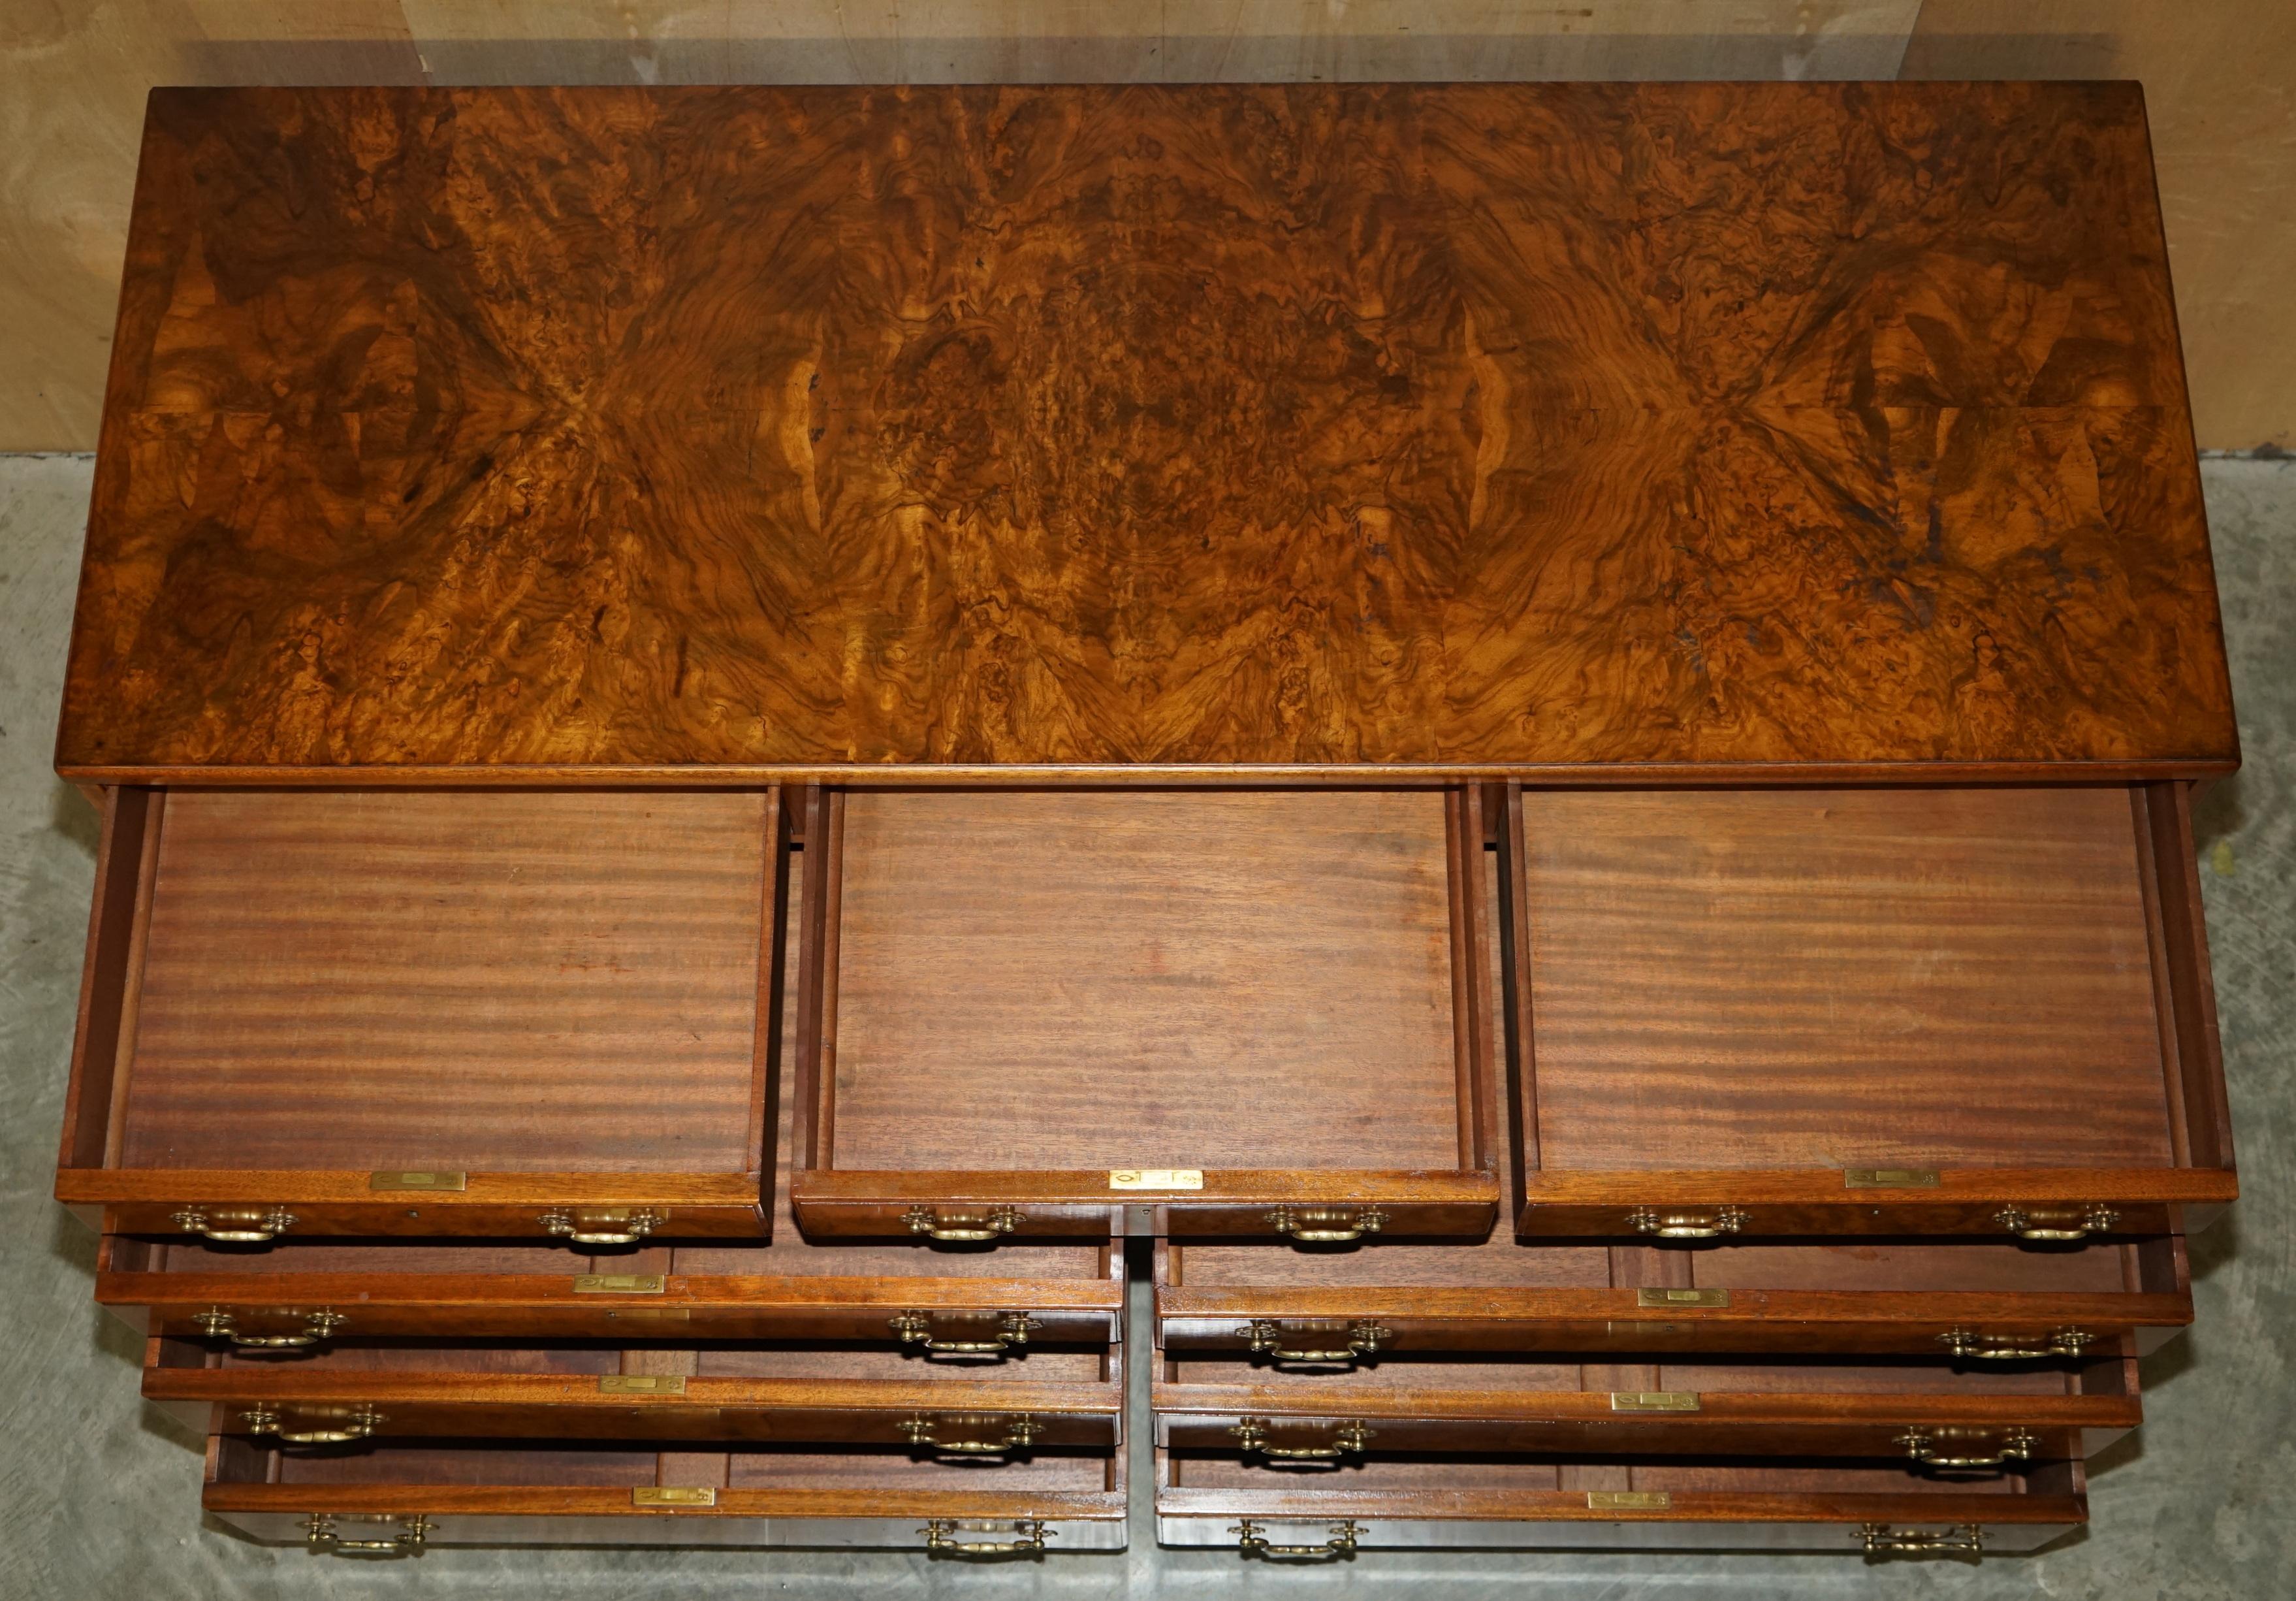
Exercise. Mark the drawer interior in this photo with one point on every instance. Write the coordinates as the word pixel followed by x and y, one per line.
pixel 511 982
pixel 1069 980
pixel 1800 979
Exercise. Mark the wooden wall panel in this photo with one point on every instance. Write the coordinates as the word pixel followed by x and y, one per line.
pixel 2220 88
pixel 73 74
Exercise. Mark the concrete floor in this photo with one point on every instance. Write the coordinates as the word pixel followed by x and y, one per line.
pixel 99 1497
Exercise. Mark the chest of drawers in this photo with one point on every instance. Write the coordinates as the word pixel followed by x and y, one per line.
pixel 1533 743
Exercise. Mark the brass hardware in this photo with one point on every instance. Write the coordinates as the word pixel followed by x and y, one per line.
pixel 418 1181
pixel 1925 1449
pixel 601 1227
pixel 2055 1228
pixel 928 1221
pixel 673 1494
pixel 1880 1539
pixel 1013 1329
pixel 1687 1225
pixel 1629 1500
pixel 236 1227
pixel 320 1535
pixel 922 1434
pixel 1365 1338
pixel 1653 1400
pixel 1326 1226
pixel 1347 1439
pixel 1251 1541
pixel 1889 1178
pixel 1675 1298
pixel 360 1424
pixel 621 1284
pixel 1156 1179
pixel 219 1324
pixel 1963 1345
pixel 940 1538
pixel 641 1383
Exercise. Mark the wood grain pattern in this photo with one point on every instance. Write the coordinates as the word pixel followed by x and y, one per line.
pixel 529 982
pixel 1460 428
pixel 1183 980
pixel 1832 979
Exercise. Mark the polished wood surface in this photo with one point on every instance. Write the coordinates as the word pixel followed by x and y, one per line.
pixel 536 981
pixel 1688 427
pixel 1146 980
pixel 1842 978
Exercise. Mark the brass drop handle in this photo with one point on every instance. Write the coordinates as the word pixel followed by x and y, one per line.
pixel 360 1426
pixel 1013 1329
pixel 321 1535
pixel 1251 1541
pixel 1963 1345
pixel 940 1538
pixel 1347 1439
pixel 601 1228
pixel 1365 1338
pixel 219 1324
pixel 1925 1449
pixel 2048 1229
pixel 235 1228
pixel 1687 1225
pixel 961 1230
pixel 1020 1433
pixel 1323 1225
pixel 1880 1539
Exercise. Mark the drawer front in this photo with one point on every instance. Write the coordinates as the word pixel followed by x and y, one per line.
pixel 1311 1331
pixel 1906 1527
pixel 1655 1424
pixel 970 1320
pixel 334 1524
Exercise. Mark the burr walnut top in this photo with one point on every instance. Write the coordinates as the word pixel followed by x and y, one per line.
pixel 1585 432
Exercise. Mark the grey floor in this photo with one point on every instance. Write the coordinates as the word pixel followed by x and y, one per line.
pixel 99 1497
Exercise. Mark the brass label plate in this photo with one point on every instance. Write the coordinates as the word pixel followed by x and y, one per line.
pixel 1681 1298
pixel 1156 1179
pixel 667 1495
pixel 1629 1500
pixel 643 1384
pixel 418 1181
pixel 1653 1400
pixel 621 1284
pixel 1889 1178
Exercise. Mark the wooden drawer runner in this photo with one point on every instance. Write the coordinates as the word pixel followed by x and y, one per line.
pixel 1213 1012
pixel 956 1303
pixel 427 1012
pixel 396 1498
pixel 1566 1503
pixel 1915 1410
pixel 1909 1011
pixel 356 1392
pixel 1981 1300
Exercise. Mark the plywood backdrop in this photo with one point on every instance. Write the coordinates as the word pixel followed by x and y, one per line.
pixel 2218 74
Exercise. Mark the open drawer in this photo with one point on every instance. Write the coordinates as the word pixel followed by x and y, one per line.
pixel 397 1499
pixel 354 1391
pixel 1927 1413
pixel 1573 1503
pixel 514 1014
pixel 1865 1011
pixel 958 1304
pixel 1979 1301
pixel 1210 1012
